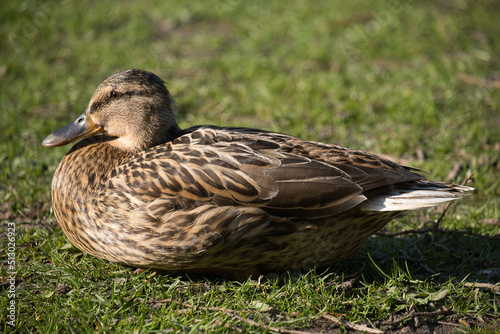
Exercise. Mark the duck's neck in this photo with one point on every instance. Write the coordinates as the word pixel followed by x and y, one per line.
pixel 138 141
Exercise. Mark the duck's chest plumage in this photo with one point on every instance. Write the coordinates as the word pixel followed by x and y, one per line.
pixel 79 192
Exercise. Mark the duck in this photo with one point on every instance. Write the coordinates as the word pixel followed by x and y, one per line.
pixel 138 190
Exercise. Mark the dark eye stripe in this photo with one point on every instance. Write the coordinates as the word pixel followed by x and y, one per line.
pixel 101 103
pixel 98 105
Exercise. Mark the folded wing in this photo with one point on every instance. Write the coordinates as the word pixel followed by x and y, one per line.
pixel 283 175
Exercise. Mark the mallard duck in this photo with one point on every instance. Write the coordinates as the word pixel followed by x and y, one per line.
pixel 138 190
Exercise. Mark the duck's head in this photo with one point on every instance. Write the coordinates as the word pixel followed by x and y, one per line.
pixel 132 108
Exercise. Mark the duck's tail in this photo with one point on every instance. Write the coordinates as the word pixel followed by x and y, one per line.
pixel 413 196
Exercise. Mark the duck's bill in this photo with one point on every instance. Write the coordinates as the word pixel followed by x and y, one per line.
pixel 81 128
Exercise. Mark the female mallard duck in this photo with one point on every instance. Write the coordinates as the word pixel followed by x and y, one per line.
pixel 142 192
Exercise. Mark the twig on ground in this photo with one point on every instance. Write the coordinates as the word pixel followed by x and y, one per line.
pixel 442 246
pixel 351 325
pixel 478 81
pixel 494 288
pixel 448 323
pixel 414 314
pixel 256 324
pixel 435 226
pixel 346 323
pixel 233 314
pixel 429 269
pixel 348 279
pixel 356 274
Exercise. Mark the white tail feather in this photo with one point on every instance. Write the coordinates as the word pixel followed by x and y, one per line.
pixel 414 198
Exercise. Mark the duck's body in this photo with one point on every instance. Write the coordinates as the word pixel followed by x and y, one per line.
pixel 218 198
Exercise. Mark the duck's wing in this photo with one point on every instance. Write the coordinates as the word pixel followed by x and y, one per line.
pixel 283 175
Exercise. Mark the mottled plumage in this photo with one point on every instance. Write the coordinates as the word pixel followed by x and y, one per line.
pixel 142 192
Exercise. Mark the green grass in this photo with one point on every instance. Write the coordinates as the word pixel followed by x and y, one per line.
pixel 419 82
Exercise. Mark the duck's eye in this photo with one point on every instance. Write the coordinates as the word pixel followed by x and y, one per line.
pixel 114 94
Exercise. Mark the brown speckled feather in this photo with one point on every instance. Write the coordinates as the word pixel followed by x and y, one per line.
pixel 209 197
